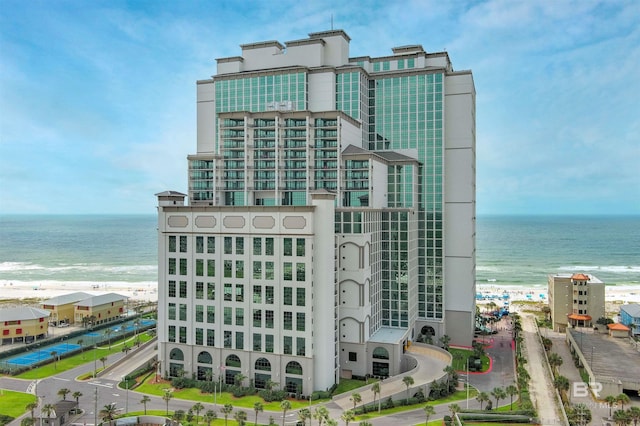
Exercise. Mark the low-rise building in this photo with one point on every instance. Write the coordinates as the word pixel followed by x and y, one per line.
pixel 618 330
pixel 630 316
pixel 59 414
pixel 62 307
pixel 23 324
pixel 100 309
pixel 575 300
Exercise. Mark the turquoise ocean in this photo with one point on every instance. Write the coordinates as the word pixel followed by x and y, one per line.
pixel 511 250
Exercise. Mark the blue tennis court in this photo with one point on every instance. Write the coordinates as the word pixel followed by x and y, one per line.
pixel 30 358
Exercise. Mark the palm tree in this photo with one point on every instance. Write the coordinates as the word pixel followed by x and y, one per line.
pixel 285 405
pixel 610 400
pixel 555 361
pixel 428 412
pixel 32 407
pixel 197 407
pixel 375 388
pixel 240 417
pixel 511 391
pixel 178 415
pixel 444 340
pixel 303 415
pixel 108 412
pixel 451 372
pixel 144 401
pixel 622 399
pixel 561 383
pixel 364 423
pixel 210 416
pixel 408 382
pixel 258 408
pixel 77 395
pixel 79 342
pixel 27 421
pixel 356 398
pixel 332 422
pixel 454 408
pixel 498 394
pixel 63 393
pixel 348 416
pixel 321 414
pixel 238 379
pixel 108 333
pixel 226 410
pixel 482 398
pixel 621 418
pixel 167 397
pixel 48 409
pixel 103 360
pixel 634 415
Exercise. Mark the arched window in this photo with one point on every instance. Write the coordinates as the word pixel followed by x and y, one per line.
pixel 233 361
pixel 294 367
pixel 205 358
pixel 380 353
pixel 427 330
pixel 176 354
pixel 263 364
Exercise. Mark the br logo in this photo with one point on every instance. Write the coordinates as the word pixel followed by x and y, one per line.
pixel 581 389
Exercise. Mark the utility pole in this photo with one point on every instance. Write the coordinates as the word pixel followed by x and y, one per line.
pixel 95 409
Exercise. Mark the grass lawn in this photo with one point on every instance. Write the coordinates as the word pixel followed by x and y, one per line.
pixel 74 361
pixel 13 403
pixel 460 363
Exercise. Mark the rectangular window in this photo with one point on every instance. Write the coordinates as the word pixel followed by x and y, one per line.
pixel 239 340
pixel 172 266
pixel 257 270
pixel 239 292
pixel 199 313
pixel 268 343
pixel 183 243
pixel 183 312
pixel 228 315
pixel 287 273
pixel 300 296
pixel 288 320
pixel 268 295
pixel 287 294
pixel 257 342
pixel 257 294
pixel 239 245
pixel 172 289
pixel 300 319
pixel 211 267
pixel 211 337
pixel 172 244
pixel 211 291
pixel 257 318
pixel 211 245
pixel 227 339
pixel 239 268
pixel 300 246
pixel 199 290
pixel 211 314
pixel 268 319
pixel 288 345
pixel 268 271
pixel 183 266
pixel 300 349
pixel 228 292
pixel 183 334
pixel 268 246
pixel 257 246
pixel 228 268
pixel 288 246
pixel 199 267
pixel 239 316
pixel 172 311
pixel 300 272
pixel 199 244
pixel 228 245
pixel 353 356
pixel 199 336
pixel 172 333
pixel 183 289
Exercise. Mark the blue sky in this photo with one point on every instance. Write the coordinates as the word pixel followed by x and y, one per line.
pixel 97 98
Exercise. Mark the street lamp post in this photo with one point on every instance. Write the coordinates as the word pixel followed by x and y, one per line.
pixel 126 386
pixel 467 365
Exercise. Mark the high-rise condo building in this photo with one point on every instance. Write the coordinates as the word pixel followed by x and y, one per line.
pixel 330 219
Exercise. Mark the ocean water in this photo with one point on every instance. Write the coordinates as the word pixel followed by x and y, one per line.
pixel 511 250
